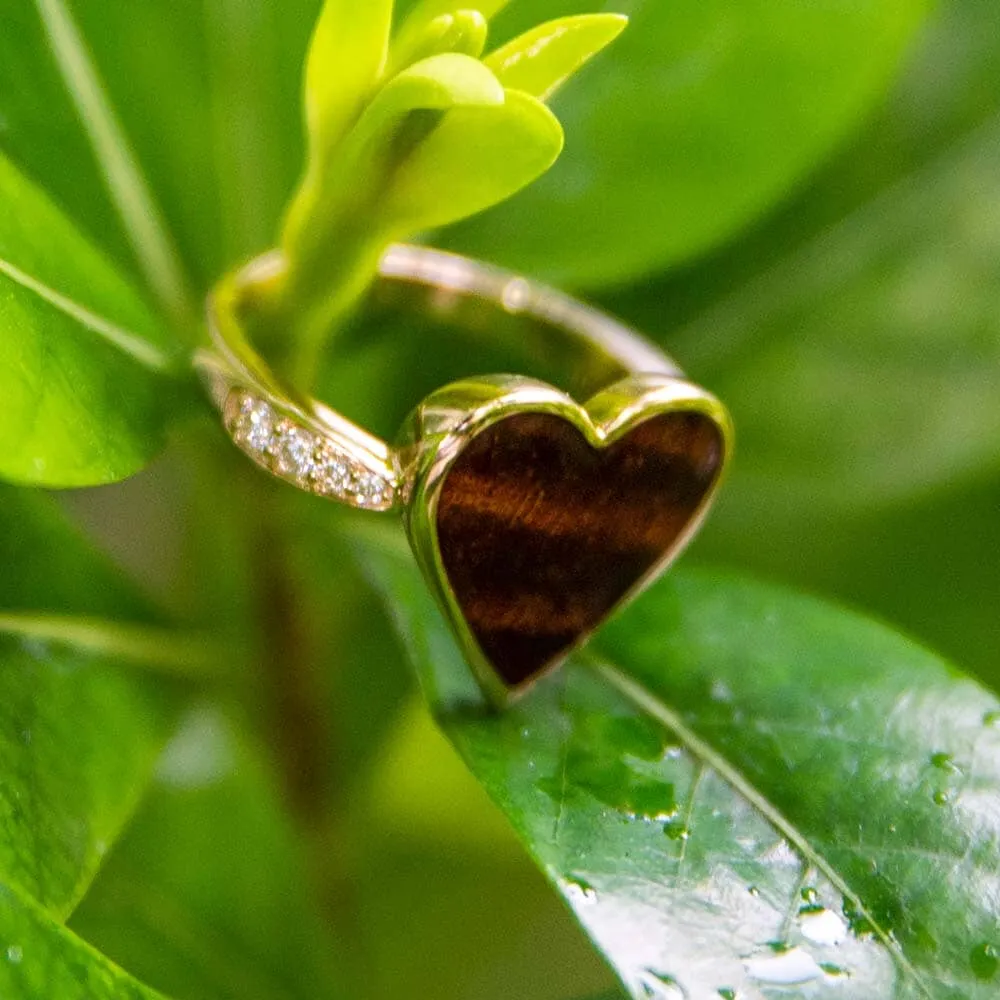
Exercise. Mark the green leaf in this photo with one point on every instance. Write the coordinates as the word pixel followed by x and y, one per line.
pixel 42 132
pixel 211 892
pixel 213 116
pixel 434 39
pixel 152 648
pixel 331 201
pixel 425 11
pixel 340 222
pixel 540 61
pixel 78 737
pixel 47 565
pixel 675 85
pixel 79 733
pixel 43 961
pixel 84 366
pixel 881 561
pixel 346 58
pixel 910 326
pixel 127 187
pixel 880 279
pixel 877 277
pixel 815 794
pixel 672 151
pixel 474 159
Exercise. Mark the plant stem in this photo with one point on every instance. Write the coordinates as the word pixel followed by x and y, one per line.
pixel 294 695
pixel 330 261
pixel 300 725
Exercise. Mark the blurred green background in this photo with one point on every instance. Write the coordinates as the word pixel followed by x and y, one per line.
pixel 801 201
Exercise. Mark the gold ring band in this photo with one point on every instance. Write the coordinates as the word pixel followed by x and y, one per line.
pixel 532 515
pixel 311 446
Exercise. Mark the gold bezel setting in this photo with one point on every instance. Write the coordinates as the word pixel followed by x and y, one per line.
pixel 445 423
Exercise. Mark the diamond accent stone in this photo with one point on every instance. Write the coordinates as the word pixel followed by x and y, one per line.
pixel 255 426
pixel 294 452
pixel 368 489
pixel 308 459
pixel 333 474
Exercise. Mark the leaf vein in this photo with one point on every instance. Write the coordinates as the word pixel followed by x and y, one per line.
pixel 703 751
pixel 696 783
pixel 130 343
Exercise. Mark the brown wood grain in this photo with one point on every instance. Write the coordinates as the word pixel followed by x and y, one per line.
pixel 541 534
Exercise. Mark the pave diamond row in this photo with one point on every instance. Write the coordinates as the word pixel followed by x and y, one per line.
pixel 298 455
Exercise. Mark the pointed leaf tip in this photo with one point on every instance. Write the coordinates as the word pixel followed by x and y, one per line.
pixel 540 61
pixel 410 39
pixel 468 34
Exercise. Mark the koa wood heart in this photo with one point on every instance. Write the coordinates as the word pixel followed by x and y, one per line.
pixel 544 516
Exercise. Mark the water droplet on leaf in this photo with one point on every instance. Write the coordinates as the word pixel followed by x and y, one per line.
pixel 833 970
pixel 659 986
pixel 720 692
pixel 823 926
pixel 945 762
pixel 580 889
pixel 789 968
pixel 985 961
pixel 676 830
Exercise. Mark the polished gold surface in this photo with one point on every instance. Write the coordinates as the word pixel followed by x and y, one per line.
pixel 532 516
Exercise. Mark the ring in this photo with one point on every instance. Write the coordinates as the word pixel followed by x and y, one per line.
pixel 532 516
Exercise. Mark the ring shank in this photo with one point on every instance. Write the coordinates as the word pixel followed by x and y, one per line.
pixel 590 347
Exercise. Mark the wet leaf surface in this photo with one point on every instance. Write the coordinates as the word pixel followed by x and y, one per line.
pixel 811 793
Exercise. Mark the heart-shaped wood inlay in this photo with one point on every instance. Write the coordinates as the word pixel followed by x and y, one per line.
pixel 542 534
